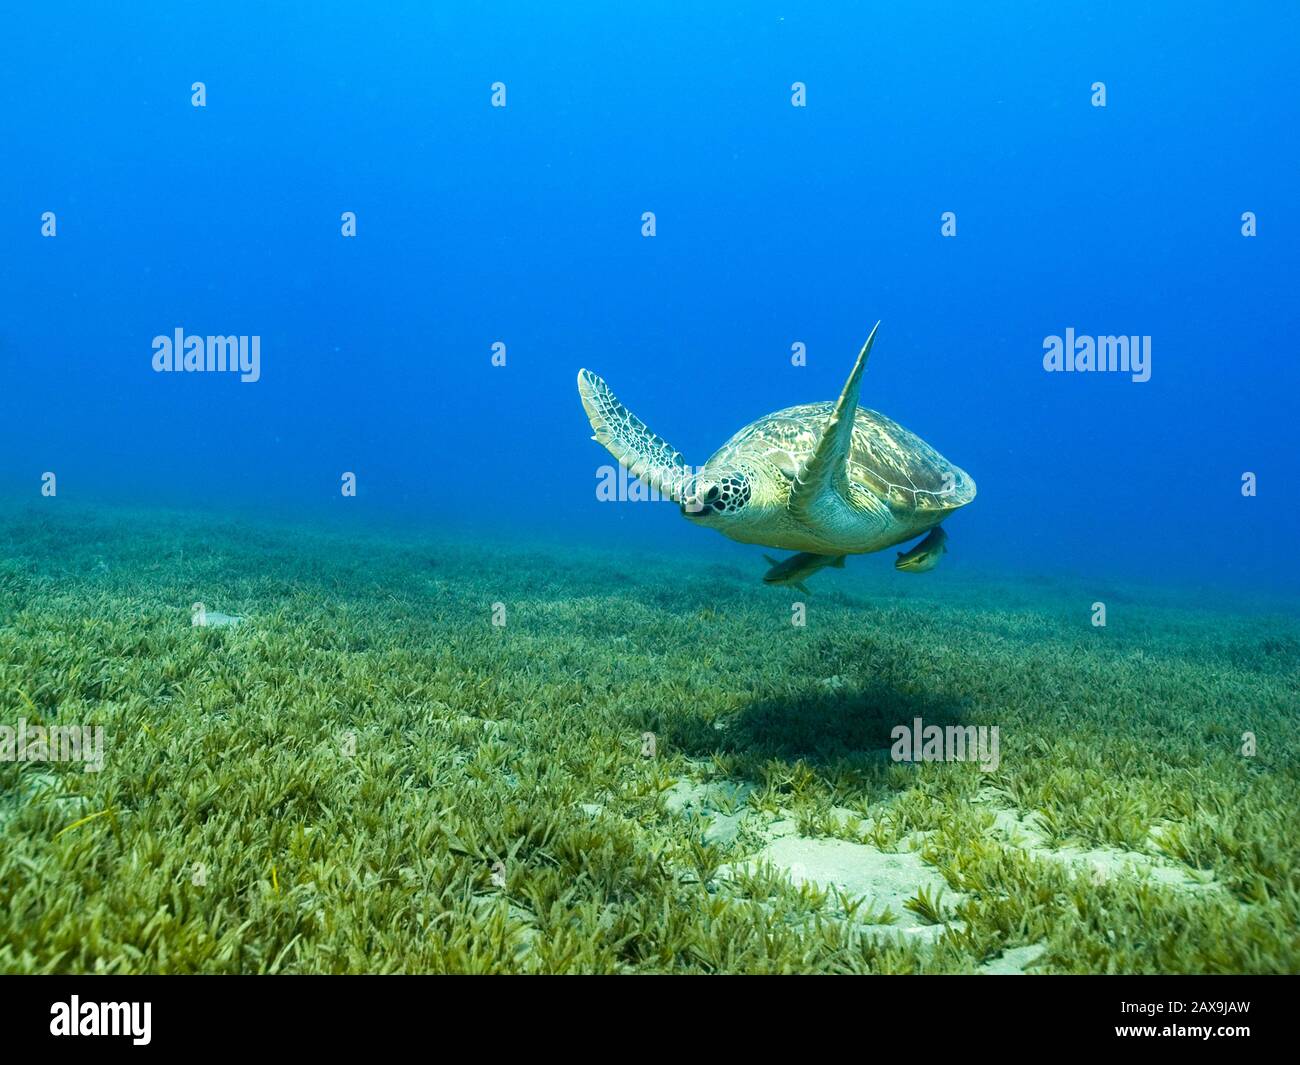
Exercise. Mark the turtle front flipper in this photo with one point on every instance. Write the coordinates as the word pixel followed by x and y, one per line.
pixel 827 470
pixel 645 454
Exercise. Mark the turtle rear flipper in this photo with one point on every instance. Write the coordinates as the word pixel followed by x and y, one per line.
pixel 625 436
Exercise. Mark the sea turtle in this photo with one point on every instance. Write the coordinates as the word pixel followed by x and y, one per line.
pixel 823 478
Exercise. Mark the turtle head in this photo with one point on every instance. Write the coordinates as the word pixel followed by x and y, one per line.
pixel 716 497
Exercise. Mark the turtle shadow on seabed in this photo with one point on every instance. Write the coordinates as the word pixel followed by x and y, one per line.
pixel 825 724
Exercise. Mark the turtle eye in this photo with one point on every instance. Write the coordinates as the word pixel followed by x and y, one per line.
pixel 711 496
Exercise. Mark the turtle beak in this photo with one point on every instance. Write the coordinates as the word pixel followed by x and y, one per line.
pixel 698 500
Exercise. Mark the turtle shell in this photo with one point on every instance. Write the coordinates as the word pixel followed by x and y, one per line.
pixel 887 460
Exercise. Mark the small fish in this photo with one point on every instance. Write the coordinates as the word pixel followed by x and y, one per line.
pixel 215 619
pixel 925 555
pixel 795 568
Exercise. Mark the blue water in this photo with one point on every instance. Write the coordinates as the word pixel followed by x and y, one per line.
pixel 776 224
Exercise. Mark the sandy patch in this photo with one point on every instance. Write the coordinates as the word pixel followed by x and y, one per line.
pixel 1100 864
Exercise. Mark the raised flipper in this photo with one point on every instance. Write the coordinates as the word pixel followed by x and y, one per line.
pixel 629 439
pixel 827 469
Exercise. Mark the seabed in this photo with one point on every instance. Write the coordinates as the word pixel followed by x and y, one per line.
pixel 419 755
